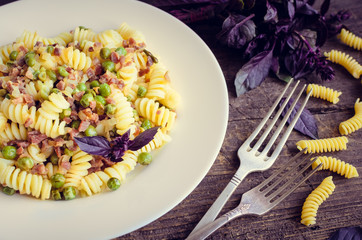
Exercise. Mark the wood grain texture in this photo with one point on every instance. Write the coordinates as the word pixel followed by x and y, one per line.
pixel 342 209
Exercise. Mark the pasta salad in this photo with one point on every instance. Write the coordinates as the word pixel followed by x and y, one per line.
pixel 80 110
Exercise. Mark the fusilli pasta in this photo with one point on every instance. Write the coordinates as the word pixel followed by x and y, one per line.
pixel 348 62
pixel 336 165
pixel 354 123
pixel 350 39
pixel 315 199
pixel 324 93
pixel 323 145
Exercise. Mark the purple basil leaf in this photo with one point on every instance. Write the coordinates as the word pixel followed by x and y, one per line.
pixel 291 10
pixel 97 145
pixel 143 139
pixel 271 13
pixel 347 233
pixel 253 73
pixel 237 30
pixel 303 7
pixel 325 7
pixel 306 123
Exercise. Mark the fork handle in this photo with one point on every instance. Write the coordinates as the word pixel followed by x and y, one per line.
pixel 211 227
pixel 219 203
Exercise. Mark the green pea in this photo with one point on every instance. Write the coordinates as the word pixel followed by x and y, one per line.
pixel 91 91
pixel 110 109
pixel 146 124
pixel 142 91
pixel 105 53
pixel 69 193
pixel 65 113
pixel 105 90
pixel 68 152
pixel 56 194
pixel 113 183
pixel 10 64
pixel 8 96
pixel 54 90
pixel 100 100
pixel 121 51
pixel 9 152
pixel 51 74
pixel 57 180
pixel 75 124
pixel 8 190
pixel 82 87
pixel 86 99
pixel 30 61
pixel 25 163
pixel 94 84
pixel 50 49
pixel 42 76
pixel 54 159
pixel 3 92
pixel 36 74
pixel 62 71
pixel 44 94
pixel 108 66
pixel 90 131
pixel 13 55
pixel 144 158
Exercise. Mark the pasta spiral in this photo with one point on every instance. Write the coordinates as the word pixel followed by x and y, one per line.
pixel 7 49
pixel 348 62
pixel 124 111
pixel 151 110
pixel 3 121
pixel 51 128
pixel 18 113
pixel 95 182
pixel 127 32
pixel 336 165
pixel 354 123
pixel 13 131
pixel 324 93
pixel 78 169
pixel 158 84
pixel 323 145
pixel 315 199
pixel 26 183
pixel 158 141
pixel 29 39
pixel 36 154
pixel 56 104
pixel 350 39
pixel 76 59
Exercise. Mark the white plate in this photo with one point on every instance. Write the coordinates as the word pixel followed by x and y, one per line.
pixel 151 191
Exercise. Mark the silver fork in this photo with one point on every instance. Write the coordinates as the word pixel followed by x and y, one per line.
pixel 251 159
pixel 266 195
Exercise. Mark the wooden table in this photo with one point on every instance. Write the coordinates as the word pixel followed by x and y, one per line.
pixel 342 209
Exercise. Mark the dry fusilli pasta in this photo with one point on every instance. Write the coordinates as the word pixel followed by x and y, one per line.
pixel 323 145
pixel 315 199
pixel 354 123
pixel 348 62
pixel 324 93
pixel 336 165
pixel 350 39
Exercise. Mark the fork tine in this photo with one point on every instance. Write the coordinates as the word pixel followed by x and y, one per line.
pixel 287 184
pixel 267 131
pixel 287 193
pixel 282 169
pixel 267 116
pixel 282 141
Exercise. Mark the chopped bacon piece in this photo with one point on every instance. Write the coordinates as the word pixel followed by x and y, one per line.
pixel 61 85
pixel 70 100
pixel 73 133
pixel 17 100
pixel 74 115
pixel 28 122
pixel 19 143
pixel 57 142
pixel 115 57
pixel 19 151
pixel 78 95
pixel 110 101
pixel 29 74
pixel 91 73
pixel 14 72
pixel 122 60
pixel 39 169
pixel 67 120
pixel 35 137
pixel 83 126
pixel 92 104
pixel 58 151
pixel 143 72
pixel 57 51
pixel 98 69
pixel 64 162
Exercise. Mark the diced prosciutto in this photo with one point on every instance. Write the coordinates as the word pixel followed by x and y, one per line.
pixel 83 126
pixel 78 95
pixel 35 137
pixel 61 85
pixel 39 169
